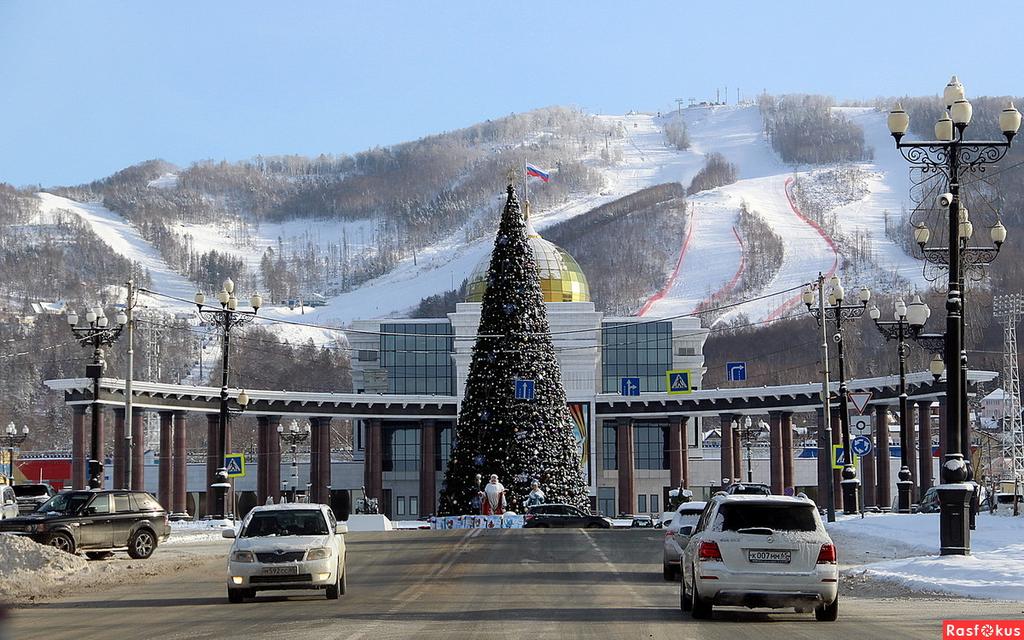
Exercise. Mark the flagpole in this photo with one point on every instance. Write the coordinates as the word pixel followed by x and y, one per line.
pixel 526 183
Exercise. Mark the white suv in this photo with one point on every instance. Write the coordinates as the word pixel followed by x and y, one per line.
pixel 760 551
pixel 287 546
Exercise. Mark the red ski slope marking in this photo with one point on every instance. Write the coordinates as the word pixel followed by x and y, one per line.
pixel 675 272
pixel 729 286
pixel 790 303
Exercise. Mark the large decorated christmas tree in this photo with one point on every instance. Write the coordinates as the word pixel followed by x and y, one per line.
pixel 524 439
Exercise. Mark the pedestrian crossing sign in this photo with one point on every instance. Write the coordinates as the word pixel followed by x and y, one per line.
pixel 678 381
pixel 235 465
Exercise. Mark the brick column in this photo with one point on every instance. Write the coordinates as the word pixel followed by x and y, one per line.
pixel 98 445
pixel 824 468
pixel 273 459
pixel 314 459
pixel 837 438
pixel 428 482
pixel 883 475
pixel 676 433
pixel 775 439
pixel 324 468
pixel 684 455
pixel 138 453
pixel 212 463
pixel 787 452
pixel 924 439
pixel 262 457
pixel 911 449
pixel 179 468
pixel 373 463
pixel 727 469
pixel 120 458
pixel 164 478
pixel 78 455
pixel 627 495
pixel 737 455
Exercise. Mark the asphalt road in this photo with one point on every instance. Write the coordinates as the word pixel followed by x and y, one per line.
pixel 471 584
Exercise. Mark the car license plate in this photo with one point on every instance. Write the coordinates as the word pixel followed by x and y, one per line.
pixel 280 571
pixel 771 557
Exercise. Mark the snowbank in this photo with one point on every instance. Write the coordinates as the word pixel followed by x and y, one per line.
pixel 24 561
pixel 994 570
pixel 188 532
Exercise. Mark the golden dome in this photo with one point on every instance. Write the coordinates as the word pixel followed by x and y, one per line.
pixel 561 279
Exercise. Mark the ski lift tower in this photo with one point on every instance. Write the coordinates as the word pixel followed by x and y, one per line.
pixel 1008 309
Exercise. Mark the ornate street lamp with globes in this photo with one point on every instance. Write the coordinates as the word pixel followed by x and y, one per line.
pixel 839 313
pixel 293 436
pixel 950 157
pixel 227 317
pixel 11 440
pixel 96 333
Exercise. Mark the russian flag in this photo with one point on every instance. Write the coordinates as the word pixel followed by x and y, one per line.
pixel 537 173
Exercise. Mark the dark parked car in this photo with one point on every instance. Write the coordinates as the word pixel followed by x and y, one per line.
pixel 96 522
pixel 30 496
pixel 748 489
pixel 562 515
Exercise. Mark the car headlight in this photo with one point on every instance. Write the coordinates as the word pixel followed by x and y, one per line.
pixel 321 553
pixel 243 556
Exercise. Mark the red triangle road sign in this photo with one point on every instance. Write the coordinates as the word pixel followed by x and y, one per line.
pixel 860 400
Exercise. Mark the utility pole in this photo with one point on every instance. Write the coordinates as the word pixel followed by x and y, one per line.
pixel 1009 308
pixel 130 326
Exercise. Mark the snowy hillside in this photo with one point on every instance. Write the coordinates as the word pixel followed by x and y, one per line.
pixel 710 264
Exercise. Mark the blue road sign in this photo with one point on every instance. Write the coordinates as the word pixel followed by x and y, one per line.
pixel 678 381
pixel 524 389
pixel 861 445
pixel 737 371
pixel 630 386
pixel 235 464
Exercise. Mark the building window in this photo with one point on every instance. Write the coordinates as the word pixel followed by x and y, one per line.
pixel 649 446
pixel 401 449
pixel 442 448
pixel 606 501
pixel 400 510
pixel 654 503
pixel 610 448
pixel 635 350
pixel 641 503
pixel 414 506
pixel 418 357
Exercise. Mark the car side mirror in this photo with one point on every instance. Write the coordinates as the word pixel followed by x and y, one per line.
pixel 227 533
pixel 686 530
pixel 341 529
pixel 89 511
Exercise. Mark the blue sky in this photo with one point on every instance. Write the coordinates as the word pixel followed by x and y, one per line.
pixel 87 88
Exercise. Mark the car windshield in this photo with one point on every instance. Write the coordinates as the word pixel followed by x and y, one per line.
pixel 777 517
pixel 65 503
pixel 29 490
pixel 285 523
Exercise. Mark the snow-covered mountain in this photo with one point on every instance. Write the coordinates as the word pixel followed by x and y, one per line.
pixel 710 264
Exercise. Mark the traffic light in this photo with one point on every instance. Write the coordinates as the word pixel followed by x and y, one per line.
pixel 95 474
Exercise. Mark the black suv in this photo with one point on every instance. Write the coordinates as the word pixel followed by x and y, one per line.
pixel 748 489
pixel 30 496
pixel 562 515
pixel 96 522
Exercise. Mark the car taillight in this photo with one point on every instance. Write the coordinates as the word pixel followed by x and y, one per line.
pixel 709 551
pixel 529 516
pixel 827 555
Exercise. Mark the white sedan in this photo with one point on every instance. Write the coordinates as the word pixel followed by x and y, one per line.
pixel 678 529
pixel 287 546
pixel 760 551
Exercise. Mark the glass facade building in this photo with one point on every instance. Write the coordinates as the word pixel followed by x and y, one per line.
pixel 418 357
pixel 401 449
pixel 636 350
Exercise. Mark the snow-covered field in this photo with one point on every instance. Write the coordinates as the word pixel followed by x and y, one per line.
pixel 995 568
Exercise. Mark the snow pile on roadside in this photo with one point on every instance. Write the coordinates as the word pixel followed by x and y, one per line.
pixel 994 570
pixel 192 531
pixel 26 561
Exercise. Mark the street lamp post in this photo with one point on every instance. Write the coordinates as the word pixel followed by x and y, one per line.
pixel 96 333
pixel 950 157
pixel 227 317
pixel 748 435
pixel 906 322
pixel 294 436
pixel 12 439
pixel 839 313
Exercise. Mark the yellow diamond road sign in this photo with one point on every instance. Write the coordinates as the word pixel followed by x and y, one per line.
pixel 678 381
